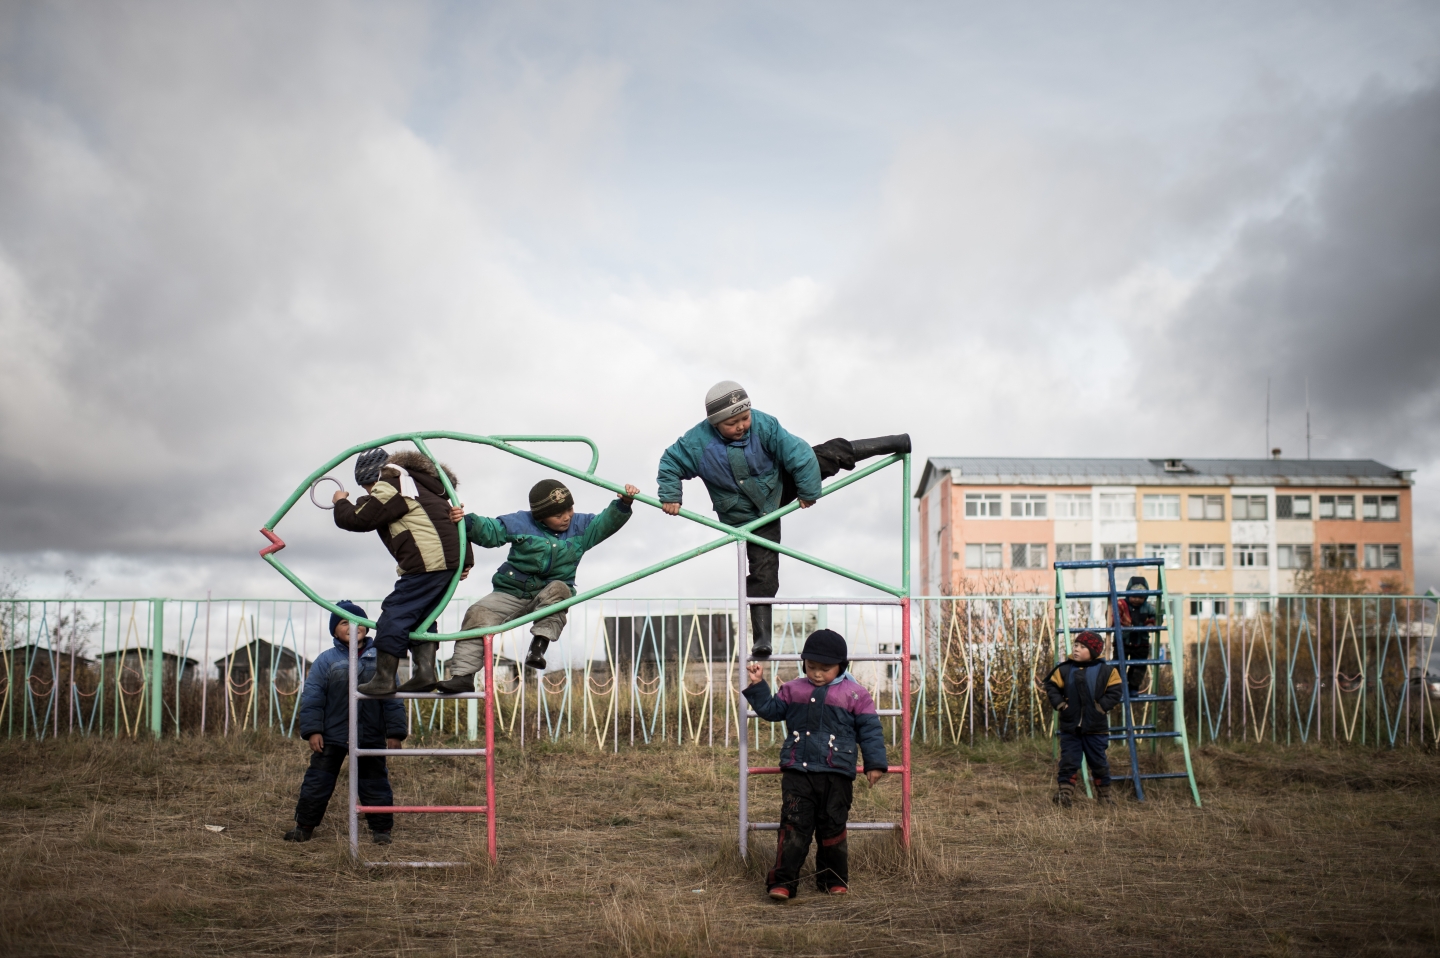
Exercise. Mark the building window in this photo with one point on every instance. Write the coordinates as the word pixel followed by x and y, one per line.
pixel 1027 506
pixel 1070 505
pixel 1117 505
pixel 1207 556
pixel 1162 507
pixel 1294 557
pixel 984 555
pixel 1202 607
pixel 984 505
pixel 1380 508
pixel 1292 507
pixel 1337 507
pixel 1072 552
pixel 1249 508
pixel 1027 556
pixel 1337 556
pixel 1252 556
pixel 1124 550
pixel 1169 551
pixel 1207 507
pixel 1382 557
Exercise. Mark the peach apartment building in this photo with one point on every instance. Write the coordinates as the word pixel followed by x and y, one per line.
pixel 1227 526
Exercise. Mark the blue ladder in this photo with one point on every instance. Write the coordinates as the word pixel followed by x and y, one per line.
pixel 1129 730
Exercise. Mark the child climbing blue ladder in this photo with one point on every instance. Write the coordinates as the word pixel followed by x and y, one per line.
pixel 1157 658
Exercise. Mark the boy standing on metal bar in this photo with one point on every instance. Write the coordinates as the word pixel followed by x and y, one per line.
pixel 827 715
pixel 1083 689
pixel 324 723
pixel 406 504
pixel 546 546
pixel 751 466
pixel 1135 609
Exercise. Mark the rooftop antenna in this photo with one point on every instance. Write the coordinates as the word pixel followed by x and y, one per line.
pixel 1307 417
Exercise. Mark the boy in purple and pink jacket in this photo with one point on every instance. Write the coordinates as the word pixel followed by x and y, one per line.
pixel 829 717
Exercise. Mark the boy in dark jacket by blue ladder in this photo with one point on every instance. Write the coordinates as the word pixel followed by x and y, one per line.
pixel 324 723
pixel 1082 689
pixel 751 467
pixel 827 716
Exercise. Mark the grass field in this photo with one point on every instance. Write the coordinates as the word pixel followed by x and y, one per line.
pixel 1300 851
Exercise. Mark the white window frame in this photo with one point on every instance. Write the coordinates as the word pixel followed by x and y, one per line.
pixel 988 555
pixel 1248 504
pixel 1073 548
pixel 1154 507
pixel 1074 505
pixel 1206 555
pixel 1169 551
pixel 1030 505
pixel 1251 556
pixel 1205 502
pixel 988 505
pixel 1289 555
pixel 1117 550
pixel 1109 501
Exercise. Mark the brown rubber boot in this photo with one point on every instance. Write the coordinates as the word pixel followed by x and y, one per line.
pixel 1103 795
pixel 1065 796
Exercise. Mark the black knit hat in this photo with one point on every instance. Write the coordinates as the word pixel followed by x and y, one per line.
pixel 825 647
pixel 549 497
pixel 348 606
pixel 367 467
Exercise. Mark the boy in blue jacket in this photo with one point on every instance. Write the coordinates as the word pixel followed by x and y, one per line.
pixel 751 466
pixel 324 723
pixel 827 715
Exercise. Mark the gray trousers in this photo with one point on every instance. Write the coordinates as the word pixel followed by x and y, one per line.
pixel 498 608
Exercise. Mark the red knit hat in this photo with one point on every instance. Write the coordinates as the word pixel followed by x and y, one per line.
pixel 1093 642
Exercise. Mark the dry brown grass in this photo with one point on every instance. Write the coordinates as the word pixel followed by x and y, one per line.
pixel 1296 852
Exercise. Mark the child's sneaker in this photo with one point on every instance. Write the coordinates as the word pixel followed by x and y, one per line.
pixel 780 893
pixel 299 834
pixel 837 890
pixel 380 838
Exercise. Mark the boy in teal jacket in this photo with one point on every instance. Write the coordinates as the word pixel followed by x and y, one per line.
pixel 546 546
pixel 751 466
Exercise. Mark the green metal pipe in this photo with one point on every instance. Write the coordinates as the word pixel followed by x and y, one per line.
pixel 157 665
pixel 731 533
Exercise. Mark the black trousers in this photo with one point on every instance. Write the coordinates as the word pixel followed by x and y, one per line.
pixel 762 577
pixel 813 806
pixel 322 776
pixel 408 603
pixel 1092 748
pixel 1135 674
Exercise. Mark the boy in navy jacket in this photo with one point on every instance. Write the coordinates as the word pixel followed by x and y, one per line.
pixel 324 723
pixel 828 715
pixel 1083 689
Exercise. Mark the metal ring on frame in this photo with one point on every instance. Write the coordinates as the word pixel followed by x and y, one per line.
pixel 317 482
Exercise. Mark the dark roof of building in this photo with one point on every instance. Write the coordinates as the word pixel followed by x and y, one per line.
pixel 1153 472
pixel 265 653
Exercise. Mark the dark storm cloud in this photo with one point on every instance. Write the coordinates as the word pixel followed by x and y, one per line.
pixel 1341 286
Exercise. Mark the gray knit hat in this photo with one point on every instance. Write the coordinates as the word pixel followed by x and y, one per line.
pixel 725 400
pixel 367 467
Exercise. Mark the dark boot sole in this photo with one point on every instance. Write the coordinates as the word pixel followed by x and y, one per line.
pixel 454 686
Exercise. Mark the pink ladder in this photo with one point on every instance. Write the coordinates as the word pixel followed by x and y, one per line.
pixel 488 752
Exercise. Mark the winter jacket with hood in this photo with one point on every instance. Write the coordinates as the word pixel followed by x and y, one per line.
pixel 417 531
pixel 1142 614
pixel 745 478
pixel 823 724
pixel 325 701
pixel 539 556
pixel 1088 690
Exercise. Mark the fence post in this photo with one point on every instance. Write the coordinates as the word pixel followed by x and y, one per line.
pixel 157 666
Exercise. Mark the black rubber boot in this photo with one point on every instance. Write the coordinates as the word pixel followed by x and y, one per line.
pixel 535 659
pixel 383 681
pixel 881 446
pixel 380 838
pixel 761 617
pixel 299 834
pixel 422 668
pixel 456 684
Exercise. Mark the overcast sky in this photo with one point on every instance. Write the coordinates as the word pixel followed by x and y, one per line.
pixel 236 239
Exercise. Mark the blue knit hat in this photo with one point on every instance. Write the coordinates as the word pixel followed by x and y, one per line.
pixel 348 606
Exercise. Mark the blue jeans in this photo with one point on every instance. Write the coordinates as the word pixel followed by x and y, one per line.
pixel 410 601
pixel 1092 748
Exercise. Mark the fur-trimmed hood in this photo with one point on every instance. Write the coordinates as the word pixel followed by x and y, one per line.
pixel 417 461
